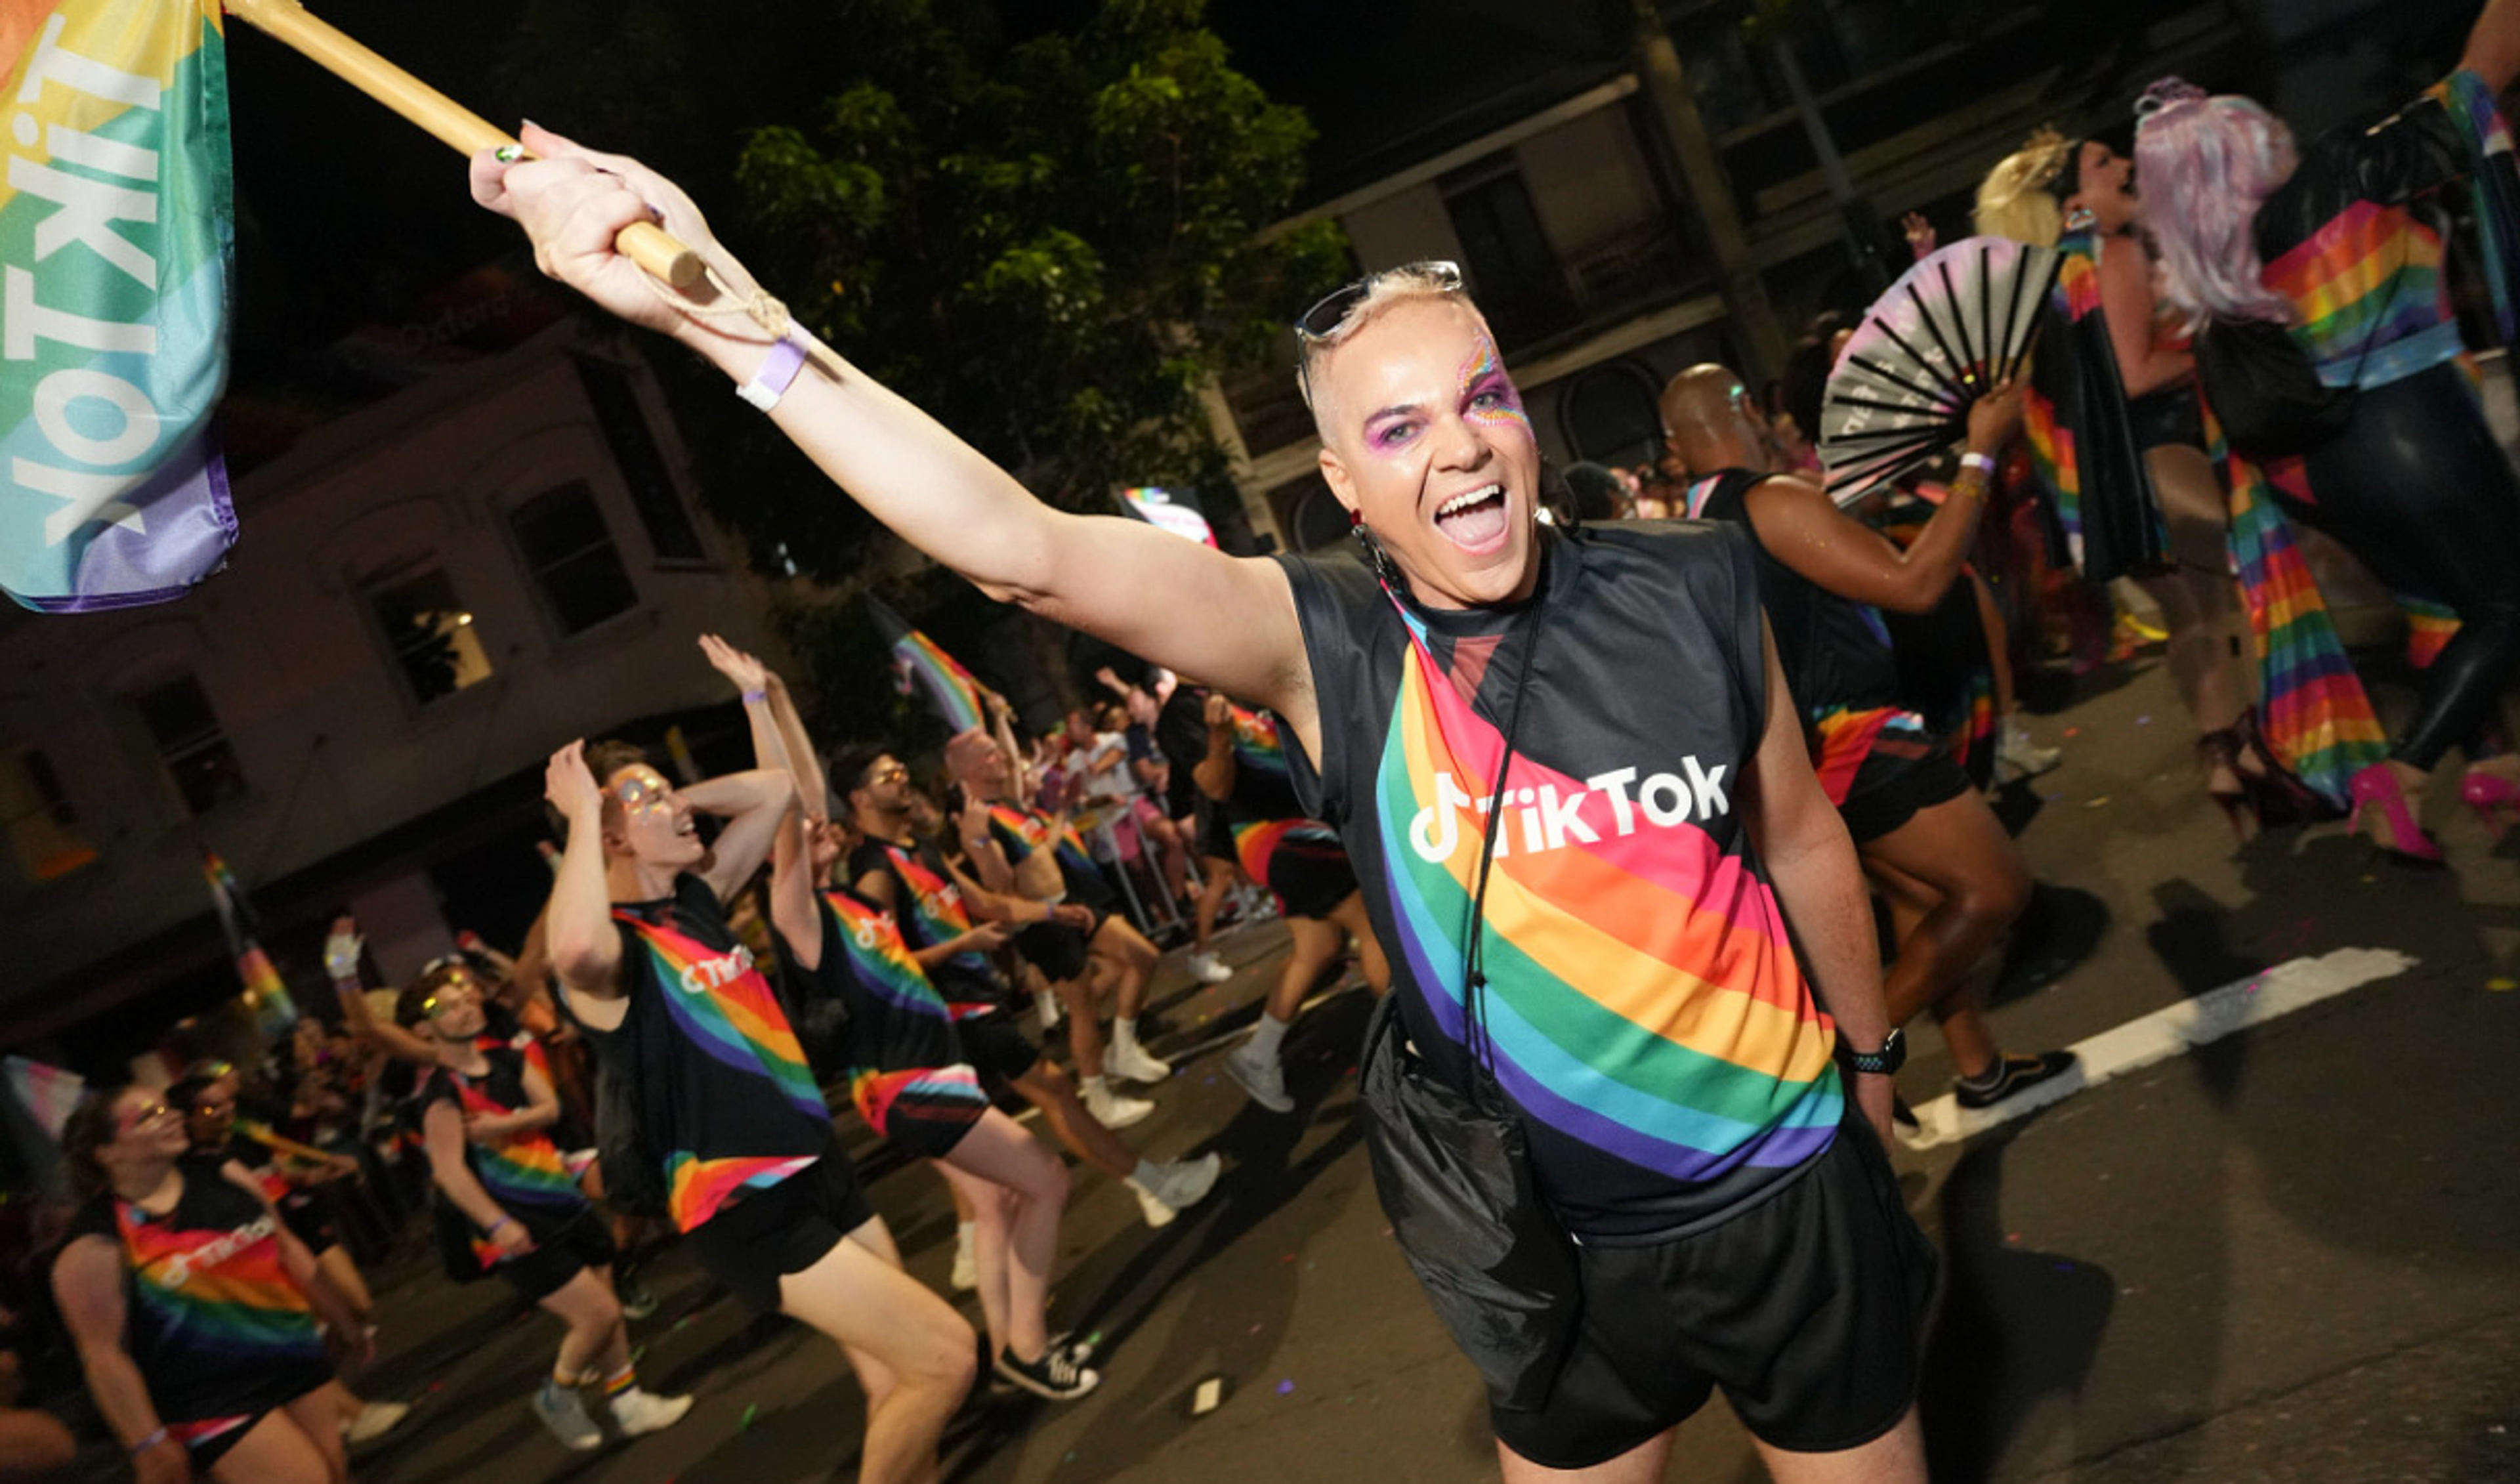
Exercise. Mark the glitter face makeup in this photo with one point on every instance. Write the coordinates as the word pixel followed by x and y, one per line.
pixel 1488 394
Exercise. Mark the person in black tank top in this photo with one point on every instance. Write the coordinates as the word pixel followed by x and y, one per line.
pixel 944 915
pixel 1635 870
pixel 1953 879
pixel 483 1112
pixel 194 1308
pixel 673 1004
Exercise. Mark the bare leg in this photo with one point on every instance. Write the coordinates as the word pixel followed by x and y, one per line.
pixel 597 1344
pixel 859 1297
pixel 1981 884
pixel 1084 1022
pixel 1053 1092
pixel 1211 901
pixel 343 1274
pixel 296 1443
pixel 1351 914
pixel 1029 1187
pixel 1133 960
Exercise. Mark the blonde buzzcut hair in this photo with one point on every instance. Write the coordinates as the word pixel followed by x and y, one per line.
pixel 1382 291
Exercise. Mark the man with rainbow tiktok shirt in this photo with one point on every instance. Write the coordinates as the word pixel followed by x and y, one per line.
pixel 677 1010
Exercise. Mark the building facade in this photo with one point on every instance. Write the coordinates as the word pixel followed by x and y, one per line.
pixel 429 596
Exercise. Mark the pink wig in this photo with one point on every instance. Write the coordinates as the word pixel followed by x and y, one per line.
pixel 2206 164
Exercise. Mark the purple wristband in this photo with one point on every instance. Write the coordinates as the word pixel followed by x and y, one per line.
pixel 776 375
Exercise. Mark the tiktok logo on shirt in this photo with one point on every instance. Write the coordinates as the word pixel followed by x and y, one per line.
pixel 705 974
pixel 1549 819
pixel 178 1270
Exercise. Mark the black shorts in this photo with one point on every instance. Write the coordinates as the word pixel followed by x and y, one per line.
pixel 1215 835
pixel 995 1048
pixel 580 1244
pixel 304 1214
pixel 782 1228
pixel 1300 862
pixel 1055 948
pixel 206 1440
pixel 1808 1309
pixel 1881 765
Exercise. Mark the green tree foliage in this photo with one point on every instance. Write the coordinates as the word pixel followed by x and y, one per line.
pixel 1049 242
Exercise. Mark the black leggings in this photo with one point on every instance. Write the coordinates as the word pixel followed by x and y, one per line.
pixel 2417 489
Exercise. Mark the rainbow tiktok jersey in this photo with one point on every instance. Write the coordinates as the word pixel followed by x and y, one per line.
pixel 217 1326
pixel 523 1173
pixel 934 914
pixel 1645 1011
pixel 741 1109
pixel 896 1018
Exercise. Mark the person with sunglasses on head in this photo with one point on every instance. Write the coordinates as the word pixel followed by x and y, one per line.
pixel 680 1014
pixel 483 1110
pixel 1675 943
pixel 206 1095
pixel 194 1310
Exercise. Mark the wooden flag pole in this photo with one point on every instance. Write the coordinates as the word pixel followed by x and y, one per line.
pixel 289 23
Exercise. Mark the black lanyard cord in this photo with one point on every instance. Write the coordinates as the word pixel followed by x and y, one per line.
pixel 1474 983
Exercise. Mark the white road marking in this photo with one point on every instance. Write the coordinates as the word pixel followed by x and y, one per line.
pixel 2169 1033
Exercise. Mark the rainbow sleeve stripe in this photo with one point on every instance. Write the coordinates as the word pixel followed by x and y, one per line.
pixel 696 1188
pixel 733 1020
pixel 2312 705
pixel 879 961
pixel 223 1293
pixel 2367 281
pixel 2493 187
pixel 2430 626
pixel 523 1167
pixel 1256 745
pixel 950 689
pixel 1033 830
pixel 1644 998
pixel 936 904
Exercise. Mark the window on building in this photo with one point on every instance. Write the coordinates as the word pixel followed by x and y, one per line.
pixel 436 648
pixel 43 829
pixel 568 550
pixel 1520 286
pixel 189 745
pixel 615 397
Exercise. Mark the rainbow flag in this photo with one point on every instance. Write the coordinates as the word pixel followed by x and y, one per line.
pixel 1175 511
pixel 918 665
pixel 117 237
pixel 264 993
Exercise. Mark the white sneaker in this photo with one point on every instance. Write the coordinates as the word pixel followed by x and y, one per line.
pixel 2017 757
pixel 636 1411
pixel 1112 1110
pixel 967 1268
pixel 375 1421
pixel 1047 1005
pixel 1260 1077
pixel 1130 1061
pixel 1208 969
pixel 1183 1182
pixel 563 1412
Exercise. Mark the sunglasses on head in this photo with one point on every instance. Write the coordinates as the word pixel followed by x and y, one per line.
pixel 1331 310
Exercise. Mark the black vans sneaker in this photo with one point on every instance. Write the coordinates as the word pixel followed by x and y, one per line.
pixel 2009 1076
pixel 1056 1375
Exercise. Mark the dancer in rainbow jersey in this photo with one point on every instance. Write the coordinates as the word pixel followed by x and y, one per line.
pixel 483 1111
pixel 192 1307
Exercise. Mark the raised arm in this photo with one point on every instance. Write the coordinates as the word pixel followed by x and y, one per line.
pixel 2493 50
pixel 577 927
pixel 1215 773
pixel 1811 863
pixel 1803 528
pixel 341 962
pixel 1178 602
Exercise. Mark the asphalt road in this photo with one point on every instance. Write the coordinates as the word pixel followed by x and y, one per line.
pixel 2287 1256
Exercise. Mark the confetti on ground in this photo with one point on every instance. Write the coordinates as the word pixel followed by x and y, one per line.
pixel 2095 803
pixel 2143 721
pixel 2011 1236
pixel 2064 1267
pixel 1255 1328
pixel 1286 1387
pixel 1071 1457
pixel 1093 1342
pixel 746 1422
pixel 1210 1392
pixel 2503 986
pixel 436 1386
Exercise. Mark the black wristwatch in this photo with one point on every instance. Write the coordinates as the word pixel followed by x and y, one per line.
pixel 1893 1052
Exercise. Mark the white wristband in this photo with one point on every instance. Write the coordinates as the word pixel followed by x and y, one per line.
pixel 1979 462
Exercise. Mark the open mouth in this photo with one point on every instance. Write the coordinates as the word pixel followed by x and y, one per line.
pixel 686 826
pixel 1474 519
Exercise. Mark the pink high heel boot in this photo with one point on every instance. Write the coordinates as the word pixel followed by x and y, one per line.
pixel 2489 794
pixel 2411 846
